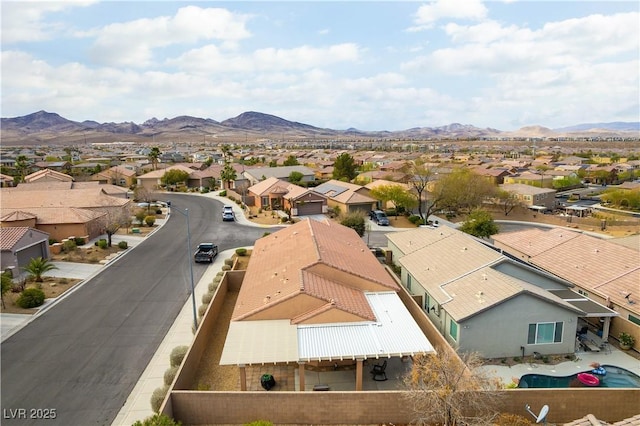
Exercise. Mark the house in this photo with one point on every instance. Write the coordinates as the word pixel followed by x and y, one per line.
pixel 20 244
pixel 604 271
pixel 276 194
pixel 532 197
pixel 257 174
pixel 61 212
pixel 347 197
pixel 118 175
pixel 58 166
pixel 197 178
pixel 484 301
pixel 47 175
pixel 541 180
pixel 6 181
pixel 325 299
pixel 495 175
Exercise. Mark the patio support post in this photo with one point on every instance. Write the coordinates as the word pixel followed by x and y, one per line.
pixel 605 329
pixel 359 370
pixel 243 377
pixel 301 376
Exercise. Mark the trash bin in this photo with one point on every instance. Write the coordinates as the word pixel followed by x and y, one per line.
pixel 267 381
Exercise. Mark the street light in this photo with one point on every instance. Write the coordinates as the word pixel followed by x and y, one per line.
pixel 193 292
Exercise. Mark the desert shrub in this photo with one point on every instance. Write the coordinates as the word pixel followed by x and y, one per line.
pixel 206 298
pixel 259 423
pixel 158 211
pixel 223 193
pixel 102 243
pixel 202 309
pixel 63 281
pixel 266 234
pixel 505 419
pixel 177 355
pixel 69 246
pixel 157 397
pixel 228 261
pixel 241 251
pixel 79 241
pixel 53 241
pixel 150 220
pixel 260 210
pixel 212 286
pixel 169 375
pixel 93 259
pixel 354 221
pixel 123 245
pixel 217 279
pixel 157 420
pixel 30 298
pixel 226 267
pixel 415 219
pixel 220 274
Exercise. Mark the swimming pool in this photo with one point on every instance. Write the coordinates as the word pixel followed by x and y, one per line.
pixel 616 377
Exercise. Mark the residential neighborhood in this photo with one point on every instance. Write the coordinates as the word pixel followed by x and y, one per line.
pixel 317 297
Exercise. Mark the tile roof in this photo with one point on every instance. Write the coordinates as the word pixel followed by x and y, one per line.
pixel 462 274
pixel 314 258
pixel 9 236
pixel 52 215
pixel 91 197
pixel 49 174
pixel 595 264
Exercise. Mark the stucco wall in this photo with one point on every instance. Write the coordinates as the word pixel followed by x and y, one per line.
pixel 501 332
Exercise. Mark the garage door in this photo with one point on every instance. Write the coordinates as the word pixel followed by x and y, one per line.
pixel 364 208
pixel 310 208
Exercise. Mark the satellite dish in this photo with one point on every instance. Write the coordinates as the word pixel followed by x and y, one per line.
pixel 543 414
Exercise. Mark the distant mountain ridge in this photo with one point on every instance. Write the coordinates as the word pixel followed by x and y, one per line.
pixel 43 126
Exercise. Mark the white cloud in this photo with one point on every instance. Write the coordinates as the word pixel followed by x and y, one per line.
pixel 427 15
pixel 213 59
pixel 25 20
pixel 132 43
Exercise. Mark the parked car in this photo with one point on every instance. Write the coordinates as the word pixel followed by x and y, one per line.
pixel 227 214
pixel 205 252
pixel 380 218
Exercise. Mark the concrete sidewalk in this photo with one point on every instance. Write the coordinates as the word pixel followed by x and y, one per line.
pixel 138 404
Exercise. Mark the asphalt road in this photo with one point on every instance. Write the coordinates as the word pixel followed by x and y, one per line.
pixel 77 363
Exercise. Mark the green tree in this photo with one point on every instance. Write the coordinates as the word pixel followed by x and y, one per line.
pixel 273 163
pixel 154 157
pixel 295 177
pixel 480 224
pixel 7 285
pixel 344 168
pixel 463 190
pixel 291 161
pixel 22 165
pixel 400 197
pixel 354 220
pixel 446 389
pixel 174 177
pixel 38 266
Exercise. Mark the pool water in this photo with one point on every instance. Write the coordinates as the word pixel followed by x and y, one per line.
pixel 616 377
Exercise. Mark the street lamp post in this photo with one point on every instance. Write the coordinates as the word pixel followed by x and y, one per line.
pixel 193 291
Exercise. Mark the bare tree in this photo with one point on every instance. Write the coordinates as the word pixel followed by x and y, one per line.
pixel 507 201
pixel 422 177
pixel 114 220
pixel 451 390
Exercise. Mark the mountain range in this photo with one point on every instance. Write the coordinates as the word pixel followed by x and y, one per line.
pixel 50 128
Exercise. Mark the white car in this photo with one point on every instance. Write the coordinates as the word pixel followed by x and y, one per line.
pixel 227 214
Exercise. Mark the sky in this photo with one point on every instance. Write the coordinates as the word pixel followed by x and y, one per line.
pixel 368 65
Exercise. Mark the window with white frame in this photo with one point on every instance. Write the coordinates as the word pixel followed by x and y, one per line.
pixel 545 332
pixel 408 282
pixel 453 329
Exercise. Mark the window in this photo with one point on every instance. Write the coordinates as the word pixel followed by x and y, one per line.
pixel 426 302
pixel 453 329
pixel 408 282
pixel 265 202
pixel 634 319
pixel 545 332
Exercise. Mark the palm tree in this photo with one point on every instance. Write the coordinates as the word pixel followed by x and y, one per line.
pixel 7 284
pixel 154 154
pixel 38 266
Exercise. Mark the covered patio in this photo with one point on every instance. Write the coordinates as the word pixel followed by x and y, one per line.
pixel 332 356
